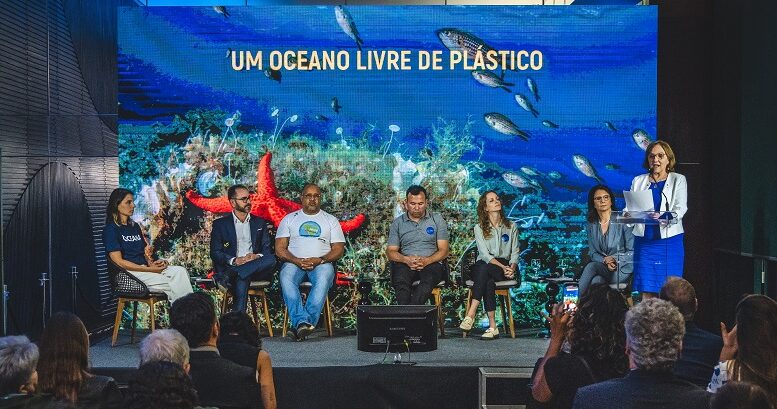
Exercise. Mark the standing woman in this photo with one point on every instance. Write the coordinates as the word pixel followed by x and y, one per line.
pixel 498 251
pixel 128 248
pixel 658 249
pixel 610 245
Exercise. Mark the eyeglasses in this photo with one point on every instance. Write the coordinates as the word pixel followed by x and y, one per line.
pixel 242 199
pixel 657 155
pixel 312 196
pixel 602 198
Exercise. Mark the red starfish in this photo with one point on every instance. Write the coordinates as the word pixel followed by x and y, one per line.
pixel 265 203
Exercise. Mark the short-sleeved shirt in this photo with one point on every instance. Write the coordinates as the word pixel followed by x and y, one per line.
pixel 310 235
pixel 126 238
pixel 418 239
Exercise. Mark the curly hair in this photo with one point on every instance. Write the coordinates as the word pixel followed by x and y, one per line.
pixel 593 216
pixel 654 334
pixel 757 347
pixel 485 224
pixel 160 385
pixel 193 315
pixel 240 324
pixel 597 329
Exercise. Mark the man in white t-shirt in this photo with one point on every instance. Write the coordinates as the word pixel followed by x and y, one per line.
pixel 309 241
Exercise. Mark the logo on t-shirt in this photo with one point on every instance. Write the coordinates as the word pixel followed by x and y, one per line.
pixel 131 238
pixel 430 230
pixel 505 238
pixel 309 229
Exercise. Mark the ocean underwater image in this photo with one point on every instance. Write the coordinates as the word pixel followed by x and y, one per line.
pixel 191 126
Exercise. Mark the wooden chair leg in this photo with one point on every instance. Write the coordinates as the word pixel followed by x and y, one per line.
pixel 503 307
pixel 438 302
pixel 266 310
pixel 151 313
pixel 466 308
pixel 224 303
pixel 117 321
pixel 134 318
pixel 510 313
pixel 285 320
pixel 328 316
pixel 257 321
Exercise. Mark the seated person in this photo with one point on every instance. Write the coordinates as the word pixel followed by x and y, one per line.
pixel 596 339
pixel 309 241
pixel 741 395
pixel 240 248
pixel 417 248
pixel 498 251
pixel 127 247
pixel 165 345
pixel 160 385
pixel 610 245
pixel 240 343
pixel 654 336
pixel 700 348
pixel 219 381
pixel 18 377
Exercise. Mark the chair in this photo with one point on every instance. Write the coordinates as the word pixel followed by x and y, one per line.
pixel 304 288
pixel 502 289
pixel 625 290
pixel 128 288
pixel 256 290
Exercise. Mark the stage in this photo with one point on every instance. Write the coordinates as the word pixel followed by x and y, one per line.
pixel 337 375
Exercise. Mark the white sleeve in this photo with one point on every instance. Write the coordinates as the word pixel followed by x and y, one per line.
pixel 680 197
pixel 283 227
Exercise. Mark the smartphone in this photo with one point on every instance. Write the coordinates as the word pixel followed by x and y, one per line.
pixel 571 297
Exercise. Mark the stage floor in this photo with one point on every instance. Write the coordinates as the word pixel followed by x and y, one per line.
pixel 320 350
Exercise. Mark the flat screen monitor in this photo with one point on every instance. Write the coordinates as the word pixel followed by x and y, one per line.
pixel 396 328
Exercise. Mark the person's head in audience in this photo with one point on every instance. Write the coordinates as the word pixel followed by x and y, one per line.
pixel 160 385
pixel 18 360
pixel 741 395
pixel 756 360
pixel 64 356
pixel 194 316
pixel 165 345
pixel 681 293
pixel 238 323
pixel 654 335
pixel 597 327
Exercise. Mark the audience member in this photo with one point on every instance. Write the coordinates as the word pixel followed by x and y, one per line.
pixel 64 363
pixel 654 334
pixel 239 341
pixel 219 381
pixel 160 385
pixel 18 377
pixel 741 395
pixel 749 350
pixel 597 340
pixel 165 345
pixel 700 348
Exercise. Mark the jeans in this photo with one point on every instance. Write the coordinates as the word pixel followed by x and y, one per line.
pixel 321 277
pixel 261 269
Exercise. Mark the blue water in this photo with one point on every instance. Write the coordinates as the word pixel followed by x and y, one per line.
pixel 599 65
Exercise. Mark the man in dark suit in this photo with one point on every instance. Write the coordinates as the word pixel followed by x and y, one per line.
pixel 240 248
pixel 701 349
pixel 654 334
pixel 219 381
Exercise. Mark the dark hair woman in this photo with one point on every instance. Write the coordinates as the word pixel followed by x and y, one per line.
pixel 128 248
pixel 64 363
pixel 498 251
pixel 597 340
pixel 610 245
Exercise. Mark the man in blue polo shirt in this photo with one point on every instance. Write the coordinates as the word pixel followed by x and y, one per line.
pixel 417 248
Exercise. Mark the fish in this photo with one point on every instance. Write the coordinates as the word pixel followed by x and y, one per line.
pixel 322 118
pixel 336 105
pixel 345 21
pixel 492 80
pixel 641 138
pixel 525 104
pixel 458 40
pixel 272 74
pixel 612 166
pixel 426 152
pixel 549 124
pixel 532 85
pixel 610 126
pixel 529 171
pixel 554 175
pixel 584 166
pixel 502 124
pixel 221 10
pixel 515 180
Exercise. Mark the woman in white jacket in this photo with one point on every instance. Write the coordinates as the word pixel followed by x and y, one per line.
pixel 658 248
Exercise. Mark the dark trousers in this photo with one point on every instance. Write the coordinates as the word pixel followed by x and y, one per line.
pixel 261 269
pixel 402 278
pixel 485 275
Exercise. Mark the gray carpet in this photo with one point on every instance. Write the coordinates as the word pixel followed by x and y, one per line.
pixel 319 350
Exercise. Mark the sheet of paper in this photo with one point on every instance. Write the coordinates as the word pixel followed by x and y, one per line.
pixel 639 201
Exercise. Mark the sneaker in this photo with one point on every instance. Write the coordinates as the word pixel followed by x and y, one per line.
pixel 466 323
pixel 490 333
pixel 292 333
pixel 303 330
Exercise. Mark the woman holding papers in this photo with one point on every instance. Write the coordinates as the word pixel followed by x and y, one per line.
pixel 658 248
